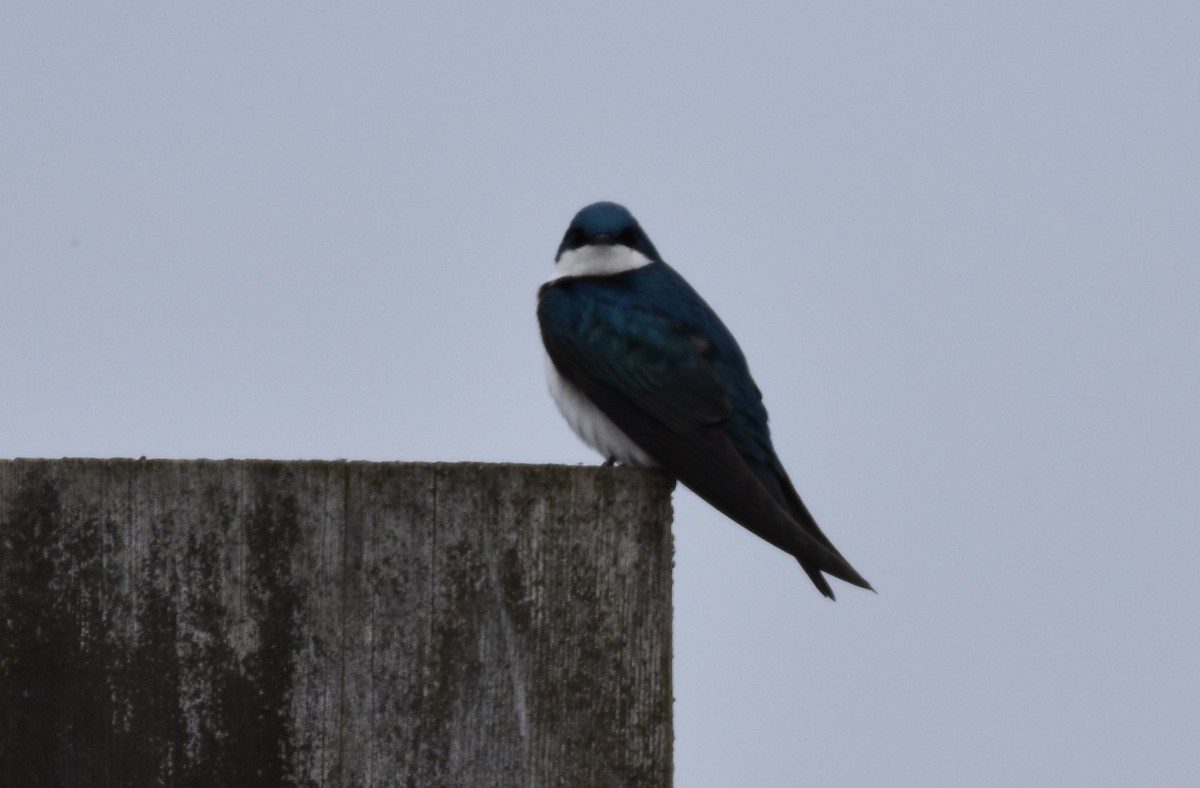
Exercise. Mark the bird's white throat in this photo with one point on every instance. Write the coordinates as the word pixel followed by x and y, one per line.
pixel 599 260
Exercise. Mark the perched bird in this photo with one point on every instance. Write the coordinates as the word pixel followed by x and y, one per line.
pixel 647 374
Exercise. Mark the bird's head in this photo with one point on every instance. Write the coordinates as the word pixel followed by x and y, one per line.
pixel 604 239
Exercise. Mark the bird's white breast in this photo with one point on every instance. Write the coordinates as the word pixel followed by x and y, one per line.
pixel 590 424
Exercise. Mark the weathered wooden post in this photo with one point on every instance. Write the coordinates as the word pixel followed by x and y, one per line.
pixel 202 623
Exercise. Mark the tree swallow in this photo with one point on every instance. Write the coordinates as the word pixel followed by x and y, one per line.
pixel 647 374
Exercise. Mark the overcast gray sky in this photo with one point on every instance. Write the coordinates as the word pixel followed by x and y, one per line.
pixel 960 247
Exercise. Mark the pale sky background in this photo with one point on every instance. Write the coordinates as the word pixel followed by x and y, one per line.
pixel 960 247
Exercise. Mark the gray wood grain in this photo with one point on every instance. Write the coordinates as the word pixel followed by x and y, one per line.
pixel 333 623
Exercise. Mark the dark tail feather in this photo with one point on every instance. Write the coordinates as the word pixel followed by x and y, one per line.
pixel 836 566
pixel 828 559
pixel 817 579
